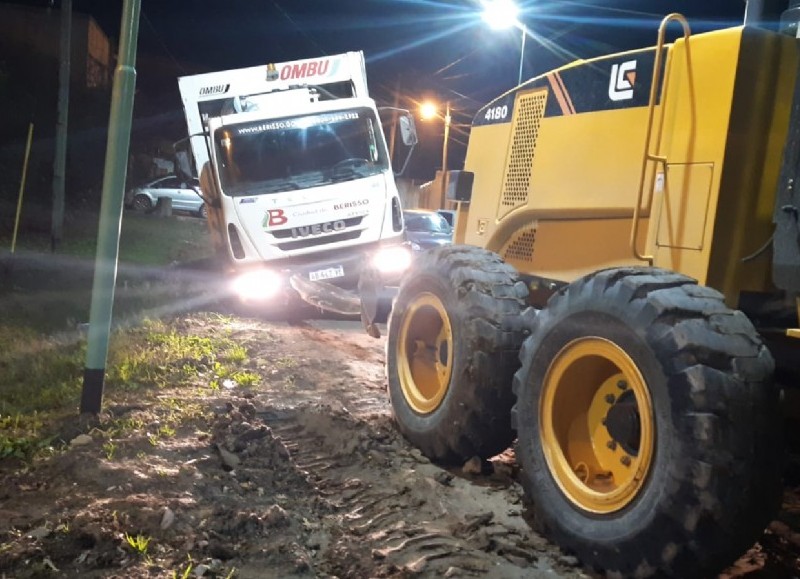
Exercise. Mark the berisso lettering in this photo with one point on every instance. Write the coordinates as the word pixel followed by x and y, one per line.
pixel 350 204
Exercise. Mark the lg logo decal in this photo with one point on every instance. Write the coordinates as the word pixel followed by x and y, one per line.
pixel 623 79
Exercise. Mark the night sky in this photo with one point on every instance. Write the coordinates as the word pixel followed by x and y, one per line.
pixel 425 48
pixel 441 45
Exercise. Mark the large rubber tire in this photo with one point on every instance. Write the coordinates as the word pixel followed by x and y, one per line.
pixel 714 478
pixel 456 317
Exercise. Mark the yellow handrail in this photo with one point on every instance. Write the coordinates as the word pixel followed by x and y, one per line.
pixel 648 156
pixel 22 187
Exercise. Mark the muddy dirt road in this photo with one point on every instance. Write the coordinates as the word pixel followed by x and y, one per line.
pixel 302 475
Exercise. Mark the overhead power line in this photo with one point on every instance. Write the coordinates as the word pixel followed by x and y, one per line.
pixel 163 44
pixel 299 28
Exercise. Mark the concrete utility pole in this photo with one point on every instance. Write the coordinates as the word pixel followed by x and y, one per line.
pixel 393 128
pixel 60 161
pixel 443 192
pixel 105 268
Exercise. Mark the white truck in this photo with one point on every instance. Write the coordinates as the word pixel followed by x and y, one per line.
pixel 296 174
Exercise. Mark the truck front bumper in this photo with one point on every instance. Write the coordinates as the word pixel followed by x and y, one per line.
pixel 331 282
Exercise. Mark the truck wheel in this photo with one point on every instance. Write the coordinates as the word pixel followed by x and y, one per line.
pixel 452 350
pixel 648 425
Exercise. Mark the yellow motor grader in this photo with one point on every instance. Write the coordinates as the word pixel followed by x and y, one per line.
pixel 624 278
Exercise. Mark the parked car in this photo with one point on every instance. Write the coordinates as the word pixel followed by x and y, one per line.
pixel 180 190
pixel 426 229
pixel 449 215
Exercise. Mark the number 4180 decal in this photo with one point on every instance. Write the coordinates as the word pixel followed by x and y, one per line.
pixel 496 113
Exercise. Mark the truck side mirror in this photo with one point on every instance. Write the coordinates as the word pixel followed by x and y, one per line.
pixel 408 131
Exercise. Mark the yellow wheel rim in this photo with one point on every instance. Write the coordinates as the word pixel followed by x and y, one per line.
pixel 596 425
pixel 425 356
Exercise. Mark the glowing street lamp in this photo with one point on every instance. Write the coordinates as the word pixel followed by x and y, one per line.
pixel 428 110
pixel 502 14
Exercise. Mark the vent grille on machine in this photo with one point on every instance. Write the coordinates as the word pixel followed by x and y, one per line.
pixel 520 247
pixel 529 112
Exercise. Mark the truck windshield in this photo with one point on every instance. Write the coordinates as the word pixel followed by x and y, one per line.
pixel 274 155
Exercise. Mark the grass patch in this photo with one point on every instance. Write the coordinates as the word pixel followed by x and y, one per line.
pixel 138 543
pixel 144 239
pixel 21 437
pixel 38 375
pixel 52 292
pixel 157 355
pixel 44 297
pixel 43 378
pixel 151 240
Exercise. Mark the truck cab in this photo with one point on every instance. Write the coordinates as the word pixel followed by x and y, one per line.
pixel 294 163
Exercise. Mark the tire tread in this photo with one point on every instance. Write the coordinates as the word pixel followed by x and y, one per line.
pixel 491 298
pixel 727 485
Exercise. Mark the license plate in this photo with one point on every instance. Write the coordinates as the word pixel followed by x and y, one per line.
pixel 329 273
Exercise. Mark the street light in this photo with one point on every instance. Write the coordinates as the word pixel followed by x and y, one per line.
pixel 429 111
pixel 502 14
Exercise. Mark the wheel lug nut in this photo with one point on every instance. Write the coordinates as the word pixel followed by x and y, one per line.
pixel 625 460
pixel 610 398
pixel 622 385
pixel 611 444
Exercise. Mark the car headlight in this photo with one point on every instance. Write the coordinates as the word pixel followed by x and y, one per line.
pixel 395 259
pixel 260 284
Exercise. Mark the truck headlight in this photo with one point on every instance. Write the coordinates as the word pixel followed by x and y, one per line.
pixel 260 284
pixel 395 259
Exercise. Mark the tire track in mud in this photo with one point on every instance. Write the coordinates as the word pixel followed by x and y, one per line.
pixel 390 511
pixel 397 513
pixel 375 506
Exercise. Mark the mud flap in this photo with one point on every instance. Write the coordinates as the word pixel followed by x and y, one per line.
pixel 326 296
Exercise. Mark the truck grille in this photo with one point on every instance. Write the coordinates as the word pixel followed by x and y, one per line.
pixel 304 242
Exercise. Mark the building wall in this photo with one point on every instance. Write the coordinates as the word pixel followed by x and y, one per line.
pixel 98 57
pixel 33 35
pixel 29 65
